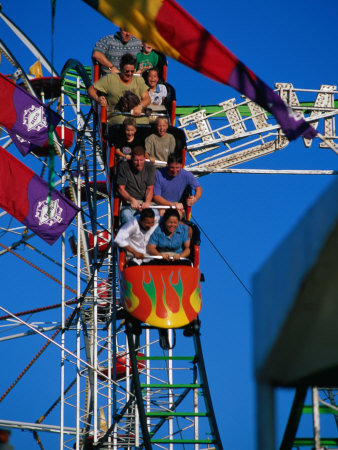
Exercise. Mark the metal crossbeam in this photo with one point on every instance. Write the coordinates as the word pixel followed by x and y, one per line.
pixel 245 131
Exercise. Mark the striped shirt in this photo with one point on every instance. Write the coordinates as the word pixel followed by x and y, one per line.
pixel 113 48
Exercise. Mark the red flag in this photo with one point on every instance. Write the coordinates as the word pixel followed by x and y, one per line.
pixel 23 194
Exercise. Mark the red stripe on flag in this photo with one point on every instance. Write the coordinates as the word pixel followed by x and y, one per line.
pixel 14 181
pixel 7 109
pixel 197 47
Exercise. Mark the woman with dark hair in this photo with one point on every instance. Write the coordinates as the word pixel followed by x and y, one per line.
pixel 158 94
pixel 110 89
pixel 157 91
pixel 170 239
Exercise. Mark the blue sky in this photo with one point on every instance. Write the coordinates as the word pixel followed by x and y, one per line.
pixel 245 216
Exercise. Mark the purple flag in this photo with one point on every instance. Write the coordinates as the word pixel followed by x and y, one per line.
pixel 23 194
pixel 25 117
pixel 293 124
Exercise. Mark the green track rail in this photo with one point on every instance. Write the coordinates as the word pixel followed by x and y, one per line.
pixel 308 409
pixel 298 410
pixel 179 410
pixel 309 442
pixel 219 112
pixel 69 82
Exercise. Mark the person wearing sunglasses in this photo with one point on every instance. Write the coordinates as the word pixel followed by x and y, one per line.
pixel 109 90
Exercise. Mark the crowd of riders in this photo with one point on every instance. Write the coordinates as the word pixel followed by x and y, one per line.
pixel 149 179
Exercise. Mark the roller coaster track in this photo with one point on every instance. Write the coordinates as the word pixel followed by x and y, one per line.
pixel 161 397
pixel 122 409
pixel 144 409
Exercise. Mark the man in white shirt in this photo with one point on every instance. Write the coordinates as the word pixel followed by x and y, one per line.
pixel 134 235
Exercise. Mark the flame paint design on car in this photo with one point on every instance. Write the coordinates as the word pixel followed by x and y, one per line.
pixel 162 296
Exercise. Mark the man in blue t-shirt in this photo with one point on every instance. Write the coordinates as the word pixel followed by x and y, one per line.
pixel 171 183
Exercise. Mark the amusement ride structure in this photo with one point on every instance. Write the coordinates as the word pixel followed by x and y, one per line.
pixel 127 384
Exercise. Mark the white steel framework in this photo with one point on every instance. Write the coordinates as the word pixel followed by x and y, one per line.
pixel 120 389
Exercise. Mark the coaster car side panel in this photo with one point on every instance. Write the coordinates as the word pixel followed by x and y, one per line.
pixel 162 296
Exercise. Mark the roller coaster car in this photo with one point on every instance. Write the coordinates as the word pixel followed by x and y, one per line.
pixel 170 101
pixel 143 131
pixel 123 367
pixel 164 296
pixel 162 67
pixel 47 87
pixel 68 138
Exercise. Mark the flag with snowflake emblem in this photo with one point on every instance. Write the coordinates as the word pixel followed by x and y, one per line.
pixel 25 117
pixel 23 194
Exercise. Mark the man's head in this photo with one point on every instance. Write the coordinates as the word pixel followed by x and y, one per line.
pixel 138 158
pixel 162 126
pixel 147 219
pixel 174 165
pixel 125 36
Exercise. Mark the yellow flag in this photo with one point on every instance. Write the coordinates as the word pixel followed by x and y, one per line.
pixel 36 69
pixel 103 422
